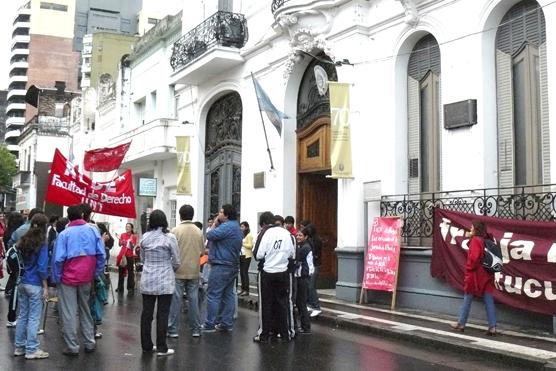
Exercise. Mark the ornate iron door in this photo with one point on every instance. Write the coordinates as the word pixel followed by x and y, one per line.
pixel 223 154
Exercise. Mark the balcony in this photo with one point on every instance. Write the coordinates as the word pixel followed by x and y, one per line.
pixel 11 136
pixel 86 67
pixel 156 140
pixel 417 210
pixel 16 92
pixel 211 47
pixel 15 106
pixel 15 121
pixel 13 148
pixel 48 125
pixel 19 64
pixel 277 4
pixel 21 25
pixel 18 78
pixel 20 39
pixel 22 179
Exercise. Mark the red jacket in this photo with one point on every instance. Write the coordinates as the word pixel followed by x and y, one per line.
pixel 124 248
pixel 477 280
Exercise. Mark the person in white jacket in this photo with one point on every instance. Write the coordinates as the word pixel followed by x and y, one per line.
pixel 275 251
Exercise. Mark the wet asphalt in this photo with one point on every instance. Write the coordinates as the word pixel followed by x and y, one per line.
pixel 326 349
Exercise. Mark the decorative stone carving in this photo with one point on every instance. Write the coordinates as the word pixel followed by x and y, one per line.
pixel 411 12
pixel 106 89
pixel 307 30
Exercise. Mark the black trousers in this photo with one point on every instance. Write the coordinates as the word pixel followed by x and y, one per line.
pixel 244 272
pixel 275 304
pixel 12 287
pixel 162 312
pixel 301 292
pixel 130 275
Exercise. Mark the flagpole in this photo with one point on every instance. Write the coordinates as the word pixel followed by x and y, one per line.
pixel 262 121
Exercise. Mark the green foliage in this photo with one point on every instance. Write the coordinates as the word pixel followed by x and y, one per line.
pixel 8 167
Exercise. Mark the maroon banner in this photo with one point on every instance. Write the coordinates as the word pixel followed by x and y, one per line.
pixel 383 253
pixel 66 186
pixel 528 278
pixel 105 159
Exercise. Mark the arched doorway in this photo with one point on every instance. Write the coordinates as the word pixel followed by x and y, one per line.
pixel 223 154
pixel 317 195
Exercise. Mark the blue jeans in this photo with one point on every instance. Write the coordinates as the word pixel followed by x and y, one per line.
pixel 28 320
pixel 221 296
pixel 192 289
pixel 489 306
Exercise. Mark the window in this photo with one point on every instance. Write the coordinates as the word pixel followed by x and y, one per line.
pixel 152 107
pixel 140 112
pixel 522 97
pixel 173 211
pixel 54 6
pixel 59 110
pixel 152 21
pixel 423 102
pixel 525 67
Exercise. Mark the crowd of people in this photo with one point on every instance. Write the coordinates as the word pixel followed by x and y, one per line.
pixel 68 257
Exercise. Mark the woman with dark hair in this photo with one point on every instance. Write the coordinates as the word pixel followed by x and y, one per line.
pixel 107 239
pixel 245 257
pixel 159 254
pixel 477 281
pixel 33 288
pixel 316 243
pixel 128 241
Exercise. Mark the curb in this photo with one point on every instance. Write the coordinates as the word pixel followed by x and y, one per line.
pixel 424 340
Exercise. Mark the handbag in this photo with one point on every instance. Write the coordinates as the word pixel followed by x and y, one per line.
pixel 123 262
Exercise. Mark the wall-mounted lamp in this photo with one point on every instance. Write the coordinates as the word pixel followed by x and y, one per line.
pixel 186 122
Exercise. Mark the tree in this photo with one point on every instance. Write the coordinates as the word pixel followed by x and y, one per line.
pixel 8 168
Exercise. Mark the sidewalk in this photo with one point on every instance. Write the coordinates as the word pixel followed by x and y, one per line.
pixel 518 346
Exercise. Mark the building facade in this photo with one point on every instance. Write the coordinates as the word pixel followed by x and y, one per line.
pixel 410 64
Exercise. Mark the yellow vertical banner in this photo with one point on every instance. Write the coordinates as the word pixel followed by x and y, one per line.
pixel 184 166
pixel 340 138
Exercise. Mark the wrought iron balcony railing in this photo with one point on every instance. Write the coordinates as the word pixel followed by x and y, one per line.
pixel 222 28
pixel 416 210
pixel 276 4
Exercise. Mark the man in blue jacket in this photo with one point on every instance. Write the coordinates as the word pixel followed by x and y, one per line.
pixel 77 259
pixel 225 246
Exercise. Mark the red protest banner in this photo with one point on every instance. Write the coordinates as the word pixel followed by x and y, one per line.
pixel 105 159
pixel 383 252
pixel 67 186
pixel 528 277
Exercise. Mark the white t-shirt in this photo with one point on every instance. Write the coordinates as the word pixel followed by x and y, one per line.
pixel 276 247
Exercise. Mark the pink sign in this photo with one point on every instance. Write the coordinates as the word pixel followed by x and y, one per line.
pixel 383 252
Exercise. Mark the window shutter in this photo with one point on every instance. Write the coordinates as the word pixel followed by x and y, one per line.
pixel 413 131
pixel 545 135
pixel 504 108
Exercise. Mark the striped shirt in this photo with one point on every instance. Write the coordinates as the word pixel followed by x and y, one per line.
pixel 159 254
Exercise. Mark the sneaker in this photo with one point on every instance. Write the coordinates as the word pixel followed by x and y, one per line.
pixel 196 333
pixel 173 336
pixel 167 353
pixel 11 324
pixel 150 350
pixel 69 352
pixel 221 328
pixel 40 332
pixel 37 354
pixel 208 329
pixel 19 352
pixel 260 339
pixel 98 335
pixel 315 312
pixel 90 350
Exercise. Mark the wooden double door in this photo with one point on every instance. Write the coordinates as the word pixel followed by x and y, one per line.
pixel 317 195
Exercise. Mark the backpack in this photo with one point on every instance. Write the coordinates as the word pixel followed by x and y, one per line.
pixel 14 261
pixel 492 258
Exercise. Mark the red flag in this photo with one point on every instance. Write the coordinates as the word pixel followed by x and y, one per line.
pixel 67 186
pixel 105 159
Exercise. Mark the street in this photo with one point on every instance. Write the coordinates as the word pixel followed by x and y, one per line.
pixel 326 349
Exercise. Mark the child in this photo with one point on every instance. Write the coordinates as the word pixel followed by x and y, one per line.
pixel 32 289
